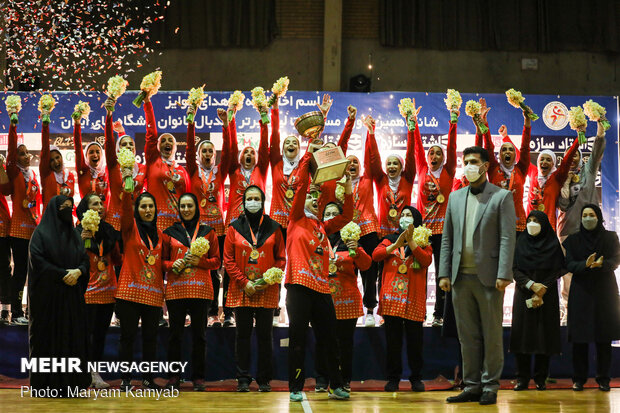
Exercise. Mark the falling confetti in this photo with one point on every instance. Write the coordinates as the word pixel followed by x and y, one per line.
pixel 76 41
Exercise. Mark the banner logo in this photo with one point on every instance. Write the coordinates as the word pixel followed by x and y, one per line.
pixel 555 115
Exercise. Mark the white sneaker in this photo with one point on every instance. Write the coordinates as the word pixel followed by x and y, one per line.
pixel 369 321
pixel 276 321
pixel 97 381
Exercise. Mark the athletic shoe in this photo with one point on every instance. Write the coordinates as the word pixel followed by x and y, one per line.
pixel 369 321
pixel 417 386
pixel 276 321
pixel 320 387
pixel 264 388
pixel 173 383
pixel 20 321
pixel 347 387
pixel 339 394
pixel 229 321
pixel 163 322
pixel 578 386
pixel 391 386
pixel 200 385
pixel 126 385
pixel 150 384
pixel 296 396
pixel 437 322
pixel 520 386
pixel 604 386
pixel 214 321
pixel 97 381
pixel 243 386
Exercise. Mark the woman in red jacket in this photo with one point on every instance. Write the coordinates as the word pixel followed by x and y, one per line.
pixel 26 198
pixel 103 254
pixel 436 176
pixel 89 165
pixel 55 178
pixel 140 292
pixel 115 175
pixel 308 296
pixel 347 299
pixel 189 288
pixel 166 180
pixel 402 300
pixel 206 180
pixel 254 243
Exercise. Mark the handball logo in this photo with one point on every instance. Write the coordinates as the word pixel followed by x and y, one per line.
pixel 555 115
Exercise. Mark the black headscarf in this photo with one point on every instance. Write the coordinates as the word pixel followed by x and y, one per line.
pixel 417 221
pixel 146 229
pixel 248 219
pixel 542 251
pixel 584 243
pixel 55 236
pixel 106 235
pixel 183 230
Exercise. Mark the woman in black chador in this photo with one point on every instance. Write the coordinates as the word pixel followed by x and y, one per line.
pixel 592 255
pixel 57 280
pixel 538 263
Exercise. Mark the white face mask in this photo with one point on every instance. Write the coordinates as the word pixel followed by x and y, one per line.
pixel 253 206
pixel 405 222
pixel 589 223
pixel 472 172
pixel 533 228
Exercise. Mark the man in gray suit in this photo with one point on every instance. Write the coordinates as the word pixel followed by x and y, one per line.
pixel 476 264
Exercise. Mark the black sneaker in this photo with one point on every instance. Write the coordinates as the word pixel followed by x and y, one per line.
pixel 320 386
pixel 200 385
pixel 229 321
pixel 520 386
pixel 264 388
pixel 347 387
pixel 577 386
pixel 125 385
pixel 243 386
pixel 391 386
pixel 150 384
pixel 603 386
pixel 417 386
pixel 163 322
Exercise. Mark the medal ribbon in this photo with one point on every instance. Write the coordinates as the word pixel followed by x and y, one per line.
pixel 257 232
pixel 195 233
pixel 436 182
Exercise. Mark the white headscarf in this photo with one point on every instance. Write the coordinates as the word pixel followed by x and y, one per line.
pixel 394 182
pixel 170 160
pixel 202 170
pixel 504 168
pixel 62 176
pixel 100 169
pixel 136 166
pixel 437 173
pixel 356 180
pixel 542 180
pixel 289 166
pixel 26 171
pixel 247 173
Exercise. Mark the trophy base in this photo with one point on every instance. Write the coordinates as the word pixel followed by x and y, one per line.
pixel 328 164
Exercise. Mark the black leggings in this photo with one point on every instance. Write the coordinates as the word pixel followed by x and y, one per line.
pixel 394 327
pixel 130 314
pixel 245 316
pixel 440 295
pixel 5 270
pixel 369 277
pixel 345 333
pixel 304 306
pixel 197 309
pixel 99 316
pixel 19 247
pixel 217 284
pixel 580 362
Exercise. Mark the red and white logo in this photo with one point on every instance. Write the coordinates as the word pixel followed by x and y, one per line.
pixel 555 115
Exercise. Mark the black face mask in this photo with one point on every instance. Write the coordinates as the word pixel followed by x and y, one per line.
pixel 65 215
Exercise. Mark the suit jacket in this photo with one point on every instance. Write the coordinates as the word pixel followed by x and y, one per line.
pixel 494 235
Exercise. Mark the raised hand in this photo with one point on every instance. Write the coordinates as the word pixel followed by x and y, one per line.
pixel 370 123
pixel 503 131
pixel 326 105
pixel 352 110
pixel 484 109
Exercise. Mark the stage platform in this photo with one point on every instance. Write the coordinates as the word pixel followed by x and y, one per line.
pixel 440 354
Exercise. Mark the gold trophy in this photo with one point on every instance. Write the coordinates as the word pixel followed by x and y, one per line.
pixel 327 163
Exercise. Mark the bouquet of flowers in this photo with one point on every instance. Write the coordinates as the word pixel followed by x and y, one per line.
pixel 421 237
pixel 46 105
pixel 116 87
pixel 578 122
pixel 279 89
pixel 339 192
pixel 196 96
pixel 127 161
pixel 351 232
pixel 235 103
pixel 81 110
pixel 472 108
pixel 596 113
pixel 515 98
pixel 149 86
pixel 453 103
pixel 199 247
pixel 13 106
pixel 259 100
pixel 406 110
pixel 272 276
pixel 90 222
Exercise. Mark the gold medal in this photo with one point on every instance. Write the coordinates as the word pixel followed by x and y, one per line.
pixel 149 275
pixel 26 204
pixel 170 186
pixel 254 254
pixel 333 268
pixel 187 270
pixel 441 199
pixel 101 265
pixel 393 213
pixel 575 178
pixel 150 259
pixel 402 268
pixel 541 207
pixel 203 203
pixel 289 194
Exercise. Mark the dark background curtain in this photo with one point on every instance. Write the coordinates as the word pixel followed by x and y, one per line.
pixel 216 24
pixel 511 25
